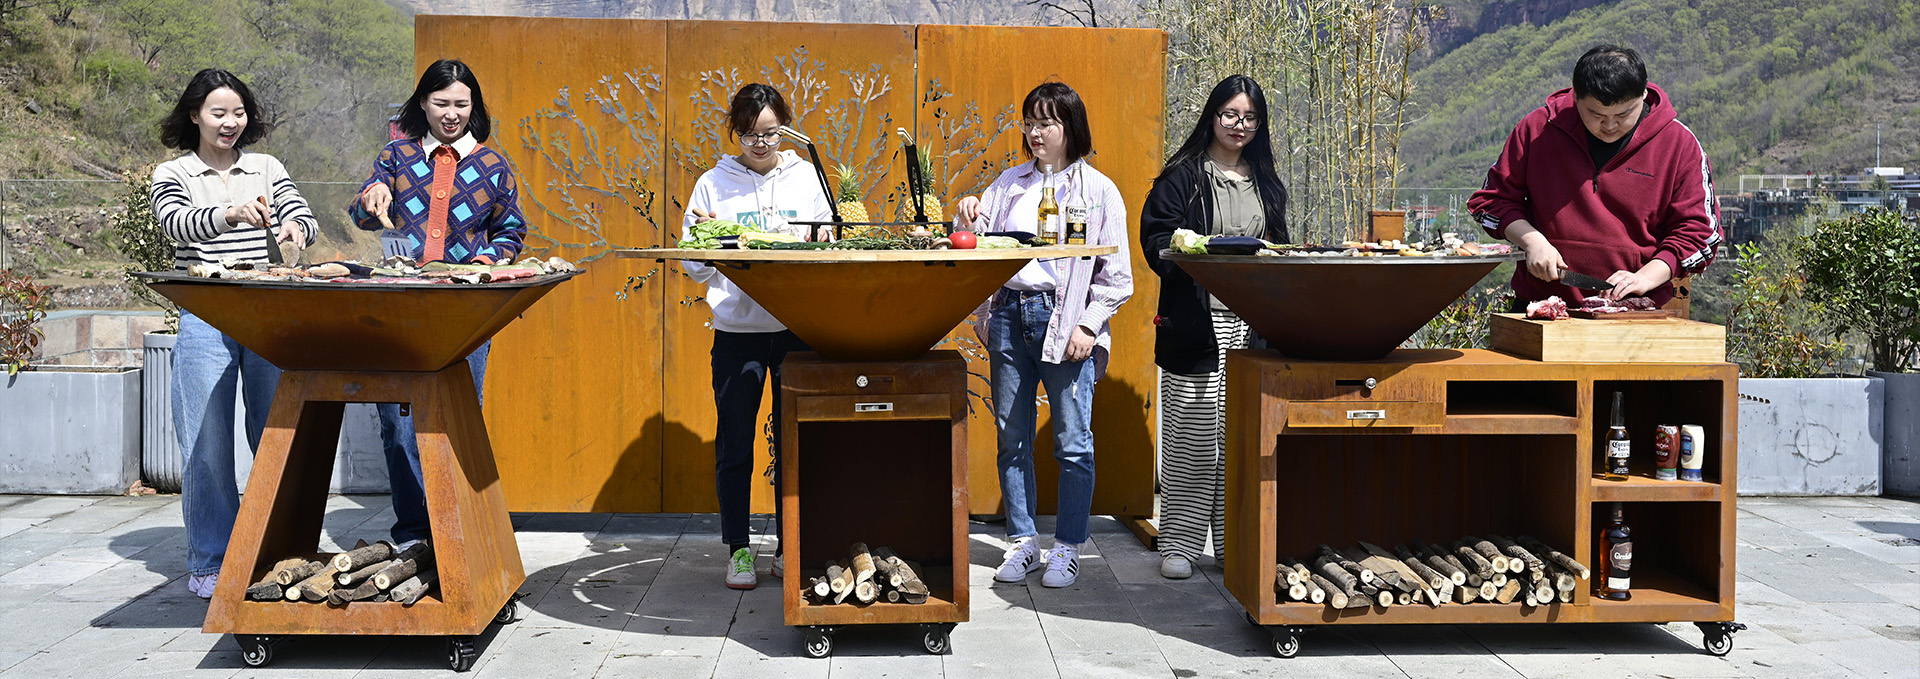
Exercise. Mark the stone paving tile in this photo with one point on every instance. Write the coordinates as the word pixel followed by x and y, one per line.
pixel 1824 592
pixel 182 665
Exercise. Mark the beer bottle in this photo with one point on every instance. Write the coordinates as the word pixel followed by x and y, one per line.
pixel 1619 445
pixel 1049 222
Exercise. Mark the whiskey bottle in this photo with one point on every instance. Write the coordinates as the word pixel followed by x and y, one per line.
pixel 1619 446
pixel 1049 217
pixel 1613 553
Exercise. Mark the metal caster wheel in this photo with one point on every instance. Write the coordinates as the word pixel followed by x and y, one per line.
pixel 1286 645
pixel 938 639
pixel 509 613
pixel 461 653
pixel 1718 636
pixel 256 650
pixel 819 643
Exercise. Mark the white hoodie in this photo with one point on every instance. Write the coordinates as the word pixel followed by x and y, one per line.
pixel 731 191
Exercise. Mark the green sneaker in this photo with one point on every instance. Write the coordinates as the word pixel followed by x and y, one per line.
pixel 740 569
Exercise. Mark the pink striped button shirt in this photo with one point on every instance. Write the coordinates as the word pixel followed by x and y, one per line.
pixel 1092 289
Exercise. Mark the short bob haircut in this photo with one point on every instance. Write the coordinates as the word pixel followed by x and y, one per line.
pixel 178 130
pixel 747 104
pixel 1610 74
pixel 1057 101
pixel 442 75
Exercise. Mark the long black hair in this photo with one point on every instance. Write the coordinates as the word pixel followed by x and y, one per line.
pixel 178 130
pixel 441 75
pixel 1258 152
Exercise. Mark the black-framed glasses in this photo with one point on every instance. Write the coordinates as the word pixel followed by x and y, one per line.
pixel 1235 119
pixel 767 139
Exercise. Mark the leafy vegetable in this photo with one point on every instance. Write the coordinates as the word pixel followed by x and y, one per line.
pixel 1185 241
pixel 996 242
pixel 706 235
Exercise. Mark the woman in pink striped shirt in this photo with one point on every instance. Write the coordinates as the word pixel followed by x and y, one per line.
pixel 1049 326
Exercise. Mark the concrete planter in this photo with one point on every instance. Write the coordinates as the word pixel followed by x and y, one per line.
pixel 1901 451
pixel 70 430
pixel 1819 436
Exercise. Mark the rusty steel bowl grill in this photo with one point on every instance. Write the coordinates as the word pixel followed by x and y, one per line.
pixel 1337 308
pixel 870 305
pixel 404 327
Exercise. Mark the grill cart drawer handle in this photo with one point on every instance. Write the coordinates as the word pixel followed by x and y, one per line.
pixel 873 407
pixel 1366 414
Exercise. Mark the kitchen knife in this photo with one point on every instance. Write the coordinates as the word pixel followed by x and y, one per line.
pixel 1583 281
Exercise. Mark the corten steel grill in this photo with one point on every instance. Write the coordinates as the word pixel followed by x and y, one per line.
pixel 870 305
pixel 1337 308
pixel 340 343
pixel 873 397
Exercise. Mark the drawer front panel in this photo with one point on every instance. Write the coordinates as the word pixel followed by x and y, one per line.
pixel 1366 414
pixel 873 407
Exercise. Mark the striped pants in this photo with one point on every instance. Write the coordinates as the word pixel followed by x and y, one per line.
pixel 1193 455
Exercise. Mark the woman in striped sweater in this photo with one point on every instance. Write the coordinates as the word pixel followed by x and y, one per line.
pixel 451 199
pixel 220 205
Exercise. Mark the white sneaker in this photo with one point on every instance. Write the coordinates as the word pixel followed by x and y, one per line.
pixel 1176 567
pixel 740 569
pixel 202 585
pixel 1022 558
pixel 1063 566
pixel 779 566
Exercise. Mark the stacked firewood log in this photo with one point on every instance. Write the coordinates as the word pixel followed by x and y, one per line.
pixel 368 572
pixel 1493 569
pixel 867 576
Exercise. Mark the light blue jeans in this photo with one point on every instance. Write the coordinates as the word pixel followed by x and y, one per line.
pixel 207 367
pixel 397 438
pixel 1018 334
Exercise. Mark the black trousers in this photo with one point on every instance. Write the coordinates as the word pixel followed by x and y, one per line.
pixel 741 365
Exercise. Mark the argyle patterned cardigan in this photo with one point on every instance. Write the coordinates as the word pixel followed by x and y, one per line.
pixel 460 210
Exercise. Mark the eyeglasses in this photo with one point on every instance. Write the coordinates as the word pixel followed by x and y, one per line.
pixel 1235 119
pixel 1029 126
pixel 768 139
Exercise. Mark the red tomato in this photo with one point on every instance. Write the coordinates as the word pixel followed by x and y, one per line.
pixel 963 240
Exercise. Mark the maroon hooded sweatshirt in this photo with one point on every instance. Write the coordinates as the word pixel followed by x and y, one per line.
pixel 1654 200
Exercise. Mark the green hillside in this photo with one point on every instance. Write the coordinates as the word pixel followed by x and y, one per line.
pixel 83 83
pixel 1770 86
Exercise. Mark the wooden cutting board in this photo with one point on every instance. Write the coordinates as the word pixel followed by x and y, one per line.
pixel 1609 340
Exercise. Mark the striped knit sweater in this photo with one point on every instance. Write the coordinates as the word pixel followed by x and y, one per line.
pixel 456 202
pixel 190 200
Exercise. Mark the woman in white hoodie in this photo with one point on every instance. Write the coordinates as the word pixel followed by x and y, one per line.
pixel 768 188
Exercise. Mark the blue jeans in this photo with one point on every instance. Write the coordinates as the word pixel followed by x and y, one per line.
pixel 1018 329
pixel 397 439
pixel 207 367
pixel 742 362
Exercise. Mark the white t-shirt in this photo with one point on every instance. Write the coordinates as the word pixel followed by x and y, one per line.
pixel 1037 275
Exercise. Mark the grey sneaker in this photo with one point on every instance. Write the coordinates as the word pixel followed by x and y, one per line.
pixel 740 569
pixel 1063 566
pixel 1022 559
pixel 779 566
pixel 1176 567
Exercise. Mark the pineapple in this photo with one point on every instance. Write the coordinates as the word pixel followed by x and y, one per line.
pixel 935 213
pixel 850 206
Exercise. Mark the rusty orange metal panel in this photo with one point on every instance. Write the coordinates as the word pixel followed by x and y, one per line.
pixel 573 397
pixel 601 398
pixel 972 81
pixel 849 86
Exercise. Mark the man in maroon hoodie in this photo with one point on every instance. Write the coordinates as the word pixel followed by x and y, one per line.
pixel 1603 180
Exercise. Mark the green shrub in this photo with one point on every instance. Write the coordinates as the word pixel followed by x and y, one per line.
pixel 1864 273
pixel 1772 329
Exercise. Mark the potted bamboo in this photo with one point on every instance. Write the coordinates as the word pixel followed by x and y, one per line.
pixel 1864 274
